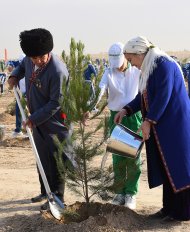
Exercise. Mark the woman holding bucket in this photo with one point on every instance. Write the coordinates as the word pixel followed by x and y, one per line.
pixel 121 80
pixel 165 106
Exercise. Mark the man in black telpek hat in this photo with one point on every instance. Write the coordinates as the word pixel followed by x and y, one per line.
pixel 44 73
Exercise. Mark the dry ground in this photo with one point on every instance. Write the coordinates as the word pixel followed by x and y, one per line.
pixel 19 182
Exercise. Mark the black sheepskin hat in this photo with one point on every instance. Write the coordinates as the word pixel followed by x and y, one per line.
pixel 36 42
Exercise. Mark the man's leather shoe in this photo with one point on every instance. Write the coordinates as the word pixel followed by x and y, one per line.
pixel 45 206
pixel 39 198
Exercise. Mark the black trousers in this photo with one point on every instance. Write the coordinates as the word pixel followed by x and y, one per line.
pixel 55 174
pixel 177 205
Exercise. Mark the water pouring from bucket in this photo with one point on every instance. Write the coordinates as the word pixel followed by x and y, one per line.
pixel 125 142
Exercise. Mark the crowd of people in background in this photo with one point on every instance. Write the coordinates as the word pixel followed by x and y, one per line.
pixel 91 71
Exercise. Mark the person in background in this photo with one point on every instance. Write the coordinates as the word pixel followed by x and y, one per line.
pixel 186 73
pixel 44 74
pixel 89 73
pixel 2 65
pixel 97 65
pixel 104 63
pixel 10 66
pixel 3 77
pixel 176 59
pixel 121 80
pixel 165 107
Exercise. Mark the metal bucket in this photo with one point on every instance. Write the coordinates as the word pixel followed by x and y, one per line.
pixel 125 142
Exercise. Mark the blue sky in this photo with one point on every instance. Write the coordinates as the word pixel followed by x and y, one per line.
pixel 97 23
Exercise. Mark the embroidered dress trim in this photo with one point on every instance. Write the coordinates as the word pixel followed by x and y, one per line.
pixel 151 121
pixel 160 150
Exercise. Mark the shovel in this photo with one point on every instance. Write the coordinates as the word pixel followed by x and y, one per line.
pixel 55 204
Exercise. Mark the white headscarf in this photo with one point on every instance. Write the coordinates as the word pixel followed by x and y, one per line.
pixel 137 45
pixel 141 45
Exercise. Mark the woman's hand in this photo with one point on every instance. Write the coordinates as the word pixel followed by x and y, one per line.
pixel 145 128
pixel 118 117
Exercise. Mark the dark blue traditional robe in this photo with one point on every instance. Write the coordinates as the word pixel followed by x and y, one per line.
pixel 166 104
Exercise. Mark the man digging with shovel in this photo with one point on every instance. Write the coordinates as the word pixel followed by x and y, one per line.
pixel 44 74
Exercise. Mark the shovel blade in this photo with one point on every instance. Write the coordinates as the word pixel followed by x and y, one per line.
pixel 56 207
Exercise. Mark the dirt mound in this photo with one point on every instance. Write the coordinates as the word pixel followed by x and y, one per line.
pixel 97 218
pixel 94 217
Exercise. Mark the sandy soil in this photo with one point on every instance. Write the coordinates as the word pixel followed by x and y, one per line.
pixel 19 182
